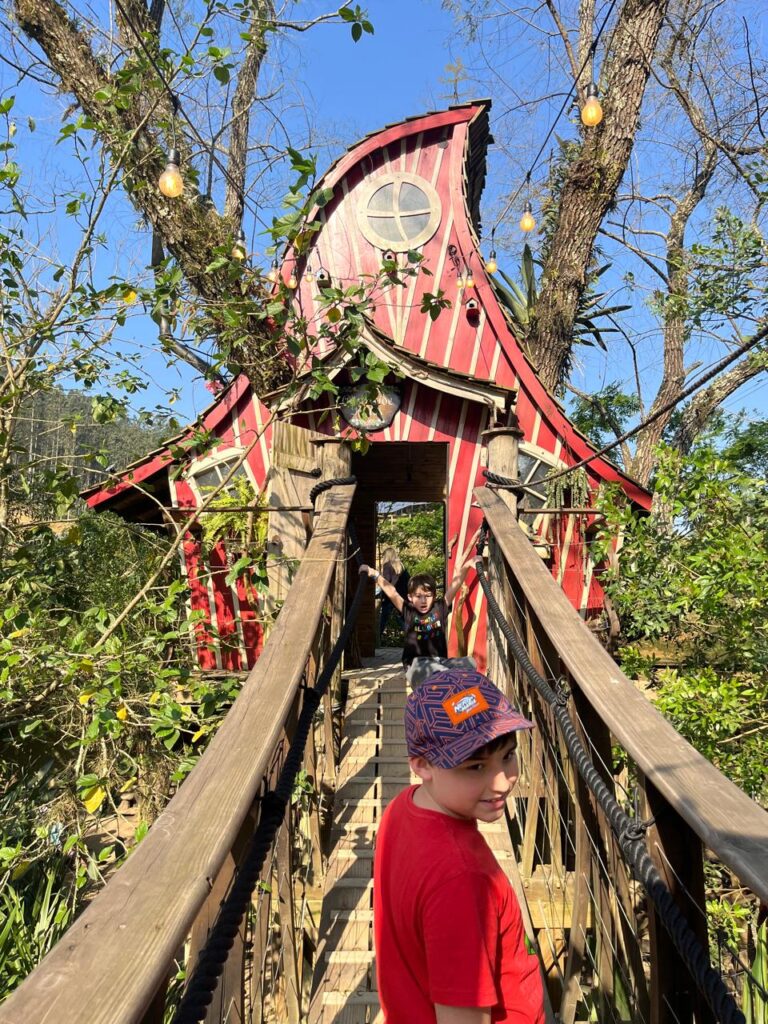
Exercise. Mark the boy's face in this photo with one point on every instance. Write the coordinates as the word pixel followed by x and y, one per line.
pixel 476 789
pixel 422 600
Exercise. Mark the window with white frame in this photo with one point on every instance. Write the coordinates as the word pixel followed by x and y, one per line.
pixel 399 211
pixel 210 472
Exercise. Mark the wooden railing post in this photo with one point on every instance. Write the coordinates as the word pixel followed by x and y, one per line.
pixel 677 852
pixel 335 457
pixel 503 445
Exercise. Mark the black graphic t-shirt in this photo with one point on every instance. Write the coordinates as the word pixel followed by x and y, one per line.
pixel 425 634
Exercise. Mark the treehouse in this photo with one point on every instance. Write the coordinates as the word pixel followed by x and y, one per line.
pixel 412 188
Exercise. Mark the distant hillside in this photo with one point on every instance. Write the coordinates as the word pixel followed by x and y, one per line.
pixel 55 430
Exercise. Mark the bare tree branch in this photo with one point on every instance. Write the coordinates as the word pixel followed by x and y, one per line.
pixel 700 409
pixel 245 90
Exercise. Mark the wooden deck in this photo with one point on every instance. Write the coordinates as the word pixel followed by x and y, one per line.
pixel 374 769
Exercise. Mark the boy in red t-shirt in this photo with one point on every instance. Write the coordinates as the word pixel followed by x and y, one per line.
pixel 450 946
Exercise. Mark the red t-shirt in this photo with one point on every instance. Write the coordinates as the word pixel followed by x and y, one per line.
pixel 447 925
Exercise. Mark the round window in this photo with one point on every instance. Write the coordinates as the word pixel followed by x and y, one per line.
pixel 399 211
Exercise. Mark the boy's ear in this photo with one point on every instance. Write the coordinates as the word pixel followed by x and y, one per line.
pixel 421 767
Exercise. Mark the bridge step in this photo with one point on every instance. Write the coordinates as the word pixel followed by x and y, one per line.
pixel 373 770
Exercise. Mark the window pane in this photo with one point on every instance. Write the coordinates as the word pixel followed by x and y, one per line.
pixel 525 463
pixel 207 478
pixel 412 198
pixel 540 472
pixel 387 227
pixel 533 500
pixel 382 199
pixel 414 223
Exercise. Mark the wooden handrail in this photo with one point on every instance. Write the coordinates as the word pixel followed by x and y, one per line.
pixel 726 820
pixel 110 963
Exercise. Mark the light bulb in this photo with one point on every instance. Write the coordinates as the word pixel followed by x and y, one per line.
pixel 309 273
pixel 239 251
pixel 170 182
pixel 274 272
pixel 592 111
pixel 491 265
pixel 292 283
pixel 469 280
pixel 460 282
pixel 527 222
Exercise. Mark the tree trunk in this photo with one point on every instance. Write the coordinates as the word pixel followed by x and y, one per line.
pixel 590 186
pixel 675 319
pixel 193 232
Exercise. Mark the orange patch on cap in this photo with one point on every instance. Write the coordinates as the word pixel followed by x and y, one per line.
pixel 462 706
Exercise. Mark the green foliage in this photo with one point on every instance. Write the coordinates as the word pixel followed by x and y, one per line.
pixel 93 713
pixel 605 413
pixel 357 19
pixel 520 300
pixel 33 917
pixel 691 577
pixel 755 990
pixel 417 534
pixel 729 274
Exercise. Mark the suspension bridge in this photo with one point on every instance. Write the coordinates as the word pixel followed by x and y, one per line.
pixel 251 897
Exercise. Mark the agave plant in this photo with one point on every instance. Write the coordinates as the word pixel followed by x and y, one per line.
pixel 520 300
pixel 755 1000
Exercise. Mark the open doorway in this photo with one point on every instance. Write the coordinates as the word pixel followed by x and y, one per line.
pixel 395 474
pixel 410 540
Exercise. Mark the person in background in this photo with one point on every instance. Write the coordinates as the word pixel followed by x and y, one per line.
pixel 425 617
pixel 395 573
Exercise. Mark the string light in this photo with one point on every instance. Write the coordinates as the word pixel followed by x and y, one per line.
pixel 274 272
pixel 491 266
pixel 309 273
pixel 460 282
pixel 239 251
pixel 592 111
pixel 170 182
pixel 565 104
pixel 292 281
pixel 469 279
pixel 527 221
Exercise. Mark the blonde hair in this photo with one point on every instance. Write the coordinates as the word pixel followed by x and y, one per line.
pixel 390 555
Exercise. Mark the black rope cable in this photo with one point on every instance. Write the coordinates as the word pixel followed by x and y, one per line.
pixel 669 406
pixel 210 965
pixel 325 485
pixel 629 832
pixel 508 483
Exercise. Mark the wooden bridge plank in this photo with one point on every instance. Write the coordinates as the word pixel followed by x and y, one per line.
pixel 118 952
pixel 726 820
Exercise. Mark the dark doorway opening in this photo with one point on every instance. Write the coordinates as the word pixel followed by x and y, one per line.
pixel 410 540
pixel 393 473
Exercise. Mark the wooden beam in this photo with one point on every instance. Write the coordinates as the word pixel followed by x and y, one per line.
pixel 727 822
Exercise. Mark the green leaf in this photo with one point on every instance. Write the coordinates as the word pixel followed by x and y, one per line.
pixel 221 73
pixel 357 31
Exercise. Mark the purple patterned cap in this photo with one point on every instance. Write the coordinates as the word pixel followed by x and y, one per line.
pixel 453 713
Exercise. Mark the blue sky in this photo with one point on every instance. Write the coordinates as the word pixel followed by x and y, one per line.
pixel 354 88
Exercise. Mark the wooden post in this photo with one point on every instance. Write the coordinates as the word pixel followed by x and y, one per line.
pixel 335 457
pixel 503 444
pixel 677 853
